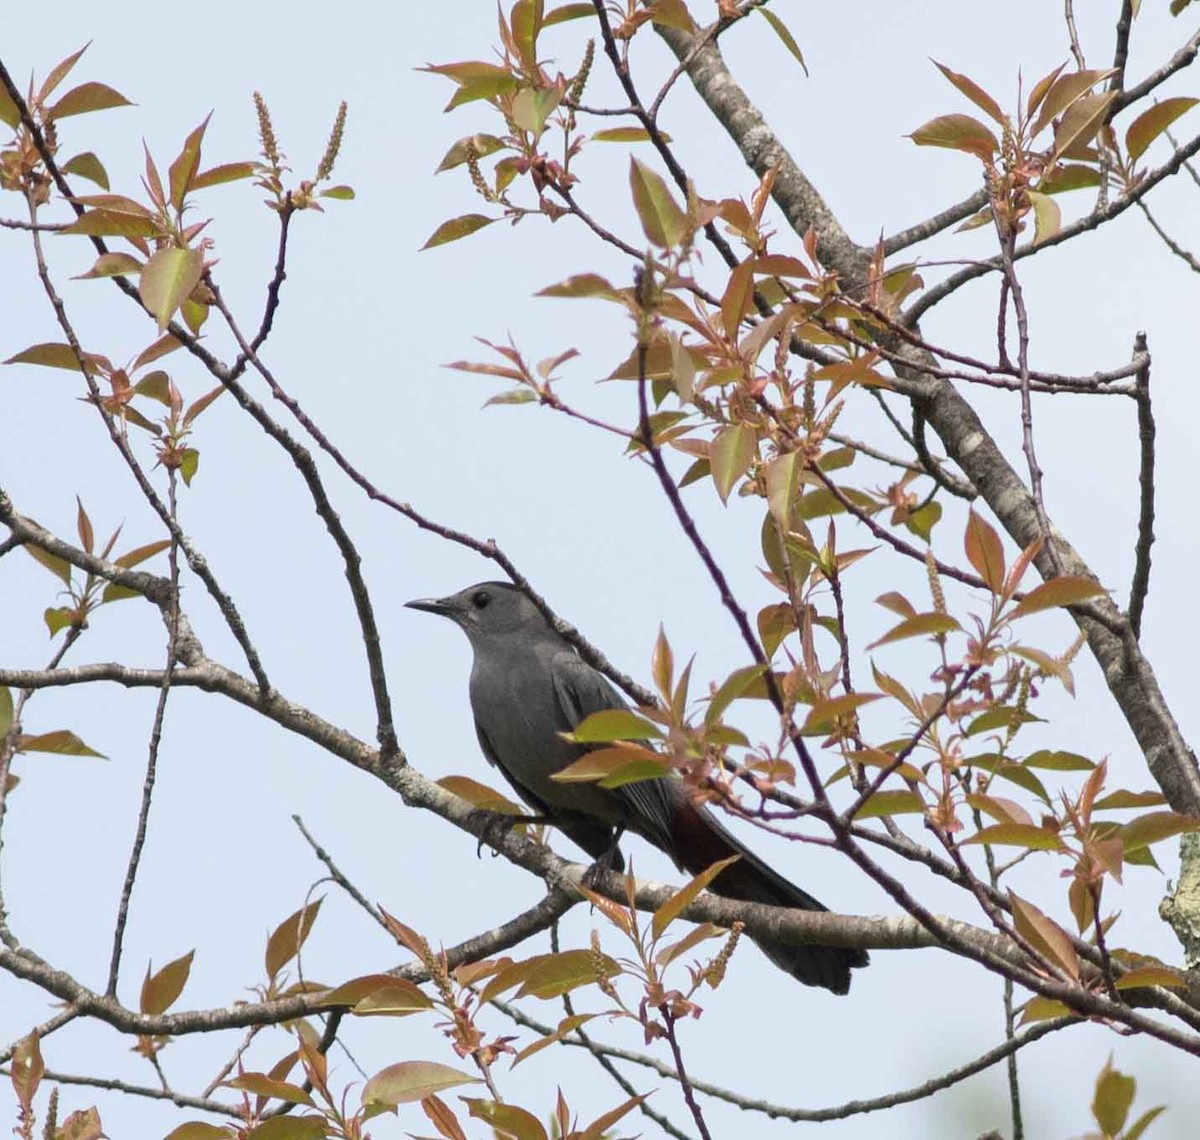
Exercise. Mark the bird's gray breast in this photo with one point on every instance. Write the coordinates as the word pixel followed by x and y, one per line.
pixel 520 711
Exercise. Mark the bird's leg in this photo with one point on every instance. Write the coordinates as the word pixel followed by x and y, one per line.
pixel 496 825
pixel 610 859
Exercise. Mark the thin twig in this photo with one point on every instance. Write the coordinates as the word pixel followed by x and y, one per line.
pixel 306 466
pixel 160 711
pixel 814 1115
pixel 1121 48
pixel 1181 59
pixel 338 877
pixel 1073 35
pixel 1189 259
pixel 1010 1062
pixel 182 1100
pixel 1008 239
pixel 689 1094
pixel 940 221
pixel 1140 586
pixel 231 1064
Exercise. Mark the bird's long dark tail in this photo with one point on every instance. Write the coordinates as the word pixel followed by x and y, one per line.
pixel 699 840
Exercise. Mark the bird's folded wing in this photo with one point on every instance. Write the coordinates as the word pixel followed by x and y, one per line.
pixel 580 691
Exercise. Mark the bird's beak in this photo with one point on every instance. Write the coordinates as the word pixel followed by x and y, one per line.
pixel 442 606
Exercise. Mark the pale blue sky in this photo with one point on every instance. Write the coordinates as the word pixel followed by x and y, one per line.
pixel 366 324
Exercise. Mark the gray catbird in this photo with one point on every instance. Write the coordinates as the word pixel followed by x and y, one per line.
pixel 527 685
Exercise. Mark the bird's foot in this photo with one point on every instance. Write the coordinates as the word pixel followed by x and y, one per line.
pixel 609 860
pixel 495 825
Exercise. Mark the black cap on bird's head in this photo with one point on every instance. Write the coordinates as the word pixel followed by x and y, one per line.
pixel 485 608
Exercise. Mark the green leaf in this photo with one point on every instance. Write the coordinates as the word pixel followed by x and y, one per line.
pixel 160 991
pixel 457 228
pixel 608 725
pixel 1155 827
pixel 974 92
pixel 139 554
pixel 1114 1096
pixel 480 144
pixel 1152 976
pixel 1058 761
pixel 290 1128
pixel 958 132
pixel 1070 176
pixel 483 85
pixel 59 567
pixel 289 936
pixel 922 521
pixel 569 12
pixel 1137 1129
pixel 226 172
pixel 262 1085
pixel 683 898
pixel 62 743
pixel 85 98
pixel 6 710
pixel 549 976
pixel 737 299
pixel 1043 1009
pixel 889 803
pixel 189 464
pixel 58 618
pixel 1080 124
pixel 339 193
pixel 197 1130
pixel 581 285
pixel 1025 835
pixel 615 762
pixel 734 448
pixel 396 999
pixel 10 113
pixel 410 1081
pixel 1005 769
pixel 1045 934
pixel 780 29
pixel 112 265
pixel 167 278
pixel 352 992
pixel 934 624
pixel 671 14
pixel 51 355
pixel 622 135
pixel 87 165
pixel 183 169
pixel 508 1121
pixel 531 107
pixel 200 403
pixel 1063 92
pixel 113 223
pixel 1007 717
pixel 479 795
pixel 1047 217
pixel 512 396
pixel 984 551
pixel 1122 799
pixel 823 714
pixel 1067 590
pixel 730 689
pixel 663 222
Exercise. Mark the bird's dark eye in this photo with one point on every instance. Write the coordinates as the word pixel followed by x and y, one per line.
pixel 480 598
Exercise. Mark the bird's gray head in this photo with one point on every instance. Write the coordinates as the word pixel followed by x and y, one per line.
pixel 486 609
